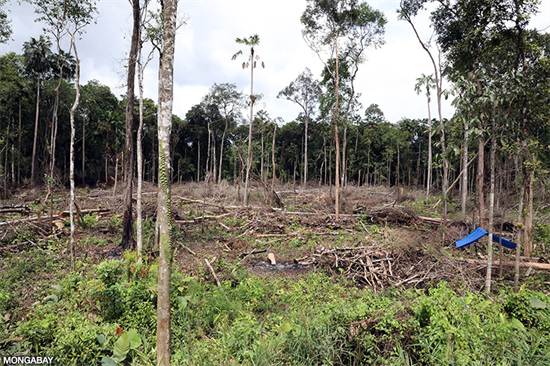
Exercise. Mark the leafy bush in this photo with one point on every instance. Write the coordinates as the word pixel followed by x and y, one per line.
pixel 531 308
pixel 109 271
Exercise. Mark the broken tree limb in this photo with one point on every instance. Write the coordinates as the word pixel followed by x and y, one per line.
pixel 213 273
pixel 83 212
pixel 188 200
pixel 542 266
pixel 28 219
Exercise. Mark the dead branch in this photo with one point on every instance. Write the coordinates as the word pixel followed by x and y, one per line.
pixel 542 266
pixel 28 219
pixel 213 273
pixel 188 200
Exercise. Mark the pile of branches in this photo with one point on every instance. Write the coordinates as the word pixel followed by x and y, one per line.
pixel 390 214
pixel 378 269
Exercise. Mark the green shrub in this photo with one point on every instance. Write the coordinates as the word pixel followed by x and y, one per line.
pixel 531 308
pixel 109 271
pixel 90 221
pixel 6 300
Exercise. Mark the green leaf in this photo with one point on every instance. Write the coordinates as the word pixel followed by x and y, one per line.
pixel 538 304
pixel 101 339
pixel 517 324
pixel 108 361
pixel 135 340
pixel 122 346
pixel 287 327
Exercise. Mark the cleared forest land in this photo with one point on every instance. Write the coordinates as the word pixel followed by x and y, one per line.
pixel 383 285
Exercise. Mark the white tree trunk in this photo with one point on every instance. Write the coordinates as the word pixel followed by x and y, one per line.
pixel 71 150
pixel 465 170
pixel 491 216
pixel 166 89
pixel 249 155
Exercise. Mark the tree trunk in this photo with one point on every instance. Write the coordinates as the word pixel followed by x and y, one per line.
pixel 166 92
pixel 262 177
pixel 528 234
pixel 221 150
pixel 208 150
pixel 305 147
pixel 33 159
pixel 491 216
pixel 53 136
pixel 249 154
pixel 519 220
pixel 273 158
pixel 465 170
pixel 480 181
pixel 128 222
pixel 336 138
pixel 84 151
pixel 397 170
pixel 139 243
pixel 198 161
pixel 72 157
pixel 19 147
pixel 344 160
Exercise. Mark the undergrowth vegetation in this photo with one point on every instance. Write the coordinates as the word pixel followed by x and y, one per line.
pixel 107 316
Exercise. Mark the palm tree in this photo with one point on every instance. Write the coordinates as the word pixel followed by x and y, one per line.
pixel 37 56
pixel 249 42
pixel 427 82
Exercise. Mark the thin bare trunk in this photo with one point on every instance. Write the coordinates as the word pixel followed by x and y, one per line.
pixel 273 158
pixel 518 237
pixel 139 229
pixel 336 138
pixel 528 234
pixel 465 170
pixel 221 150
pixel 249 154
pixel 262 177
pixel 480 181
pixel 33 160
pixel 491 217
pixel 19 146
pixel 127 221
pixel 166 92
pixel 83 151
pixel 72 156
pixel 305 148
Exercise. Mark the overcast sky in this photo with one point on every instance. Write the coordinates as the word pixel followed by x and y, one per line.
pixel 205 45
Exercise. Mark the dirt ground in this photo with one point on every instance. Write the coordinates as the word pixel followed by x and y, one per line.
pixel 380 239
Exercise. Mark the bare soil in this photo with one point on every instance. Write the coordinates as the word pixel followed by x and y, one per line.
pixel 210 222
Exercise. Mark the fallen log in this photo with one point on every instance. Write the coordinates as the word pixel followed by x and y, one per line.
pixel 188 200
pixel 542 266
pixel 28 219
pixel 83 212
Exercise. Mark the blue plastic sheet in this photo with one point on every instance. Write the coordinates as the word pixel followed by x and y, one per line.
pixel 480 233
pixel 471 238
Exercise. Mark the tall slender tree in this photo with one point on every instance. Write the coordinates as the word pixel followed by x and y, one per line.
pixel 407 11
pixel 128 241
pixel 251 42
pixel 166 96
pixel 334 27
pixel 427 82
pixel 37 55
pixel 305 92
pixel 229 101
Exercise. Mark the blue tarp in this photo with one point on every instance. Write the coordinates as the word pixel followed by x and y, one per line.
pixel 480 233
pixel 471 238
